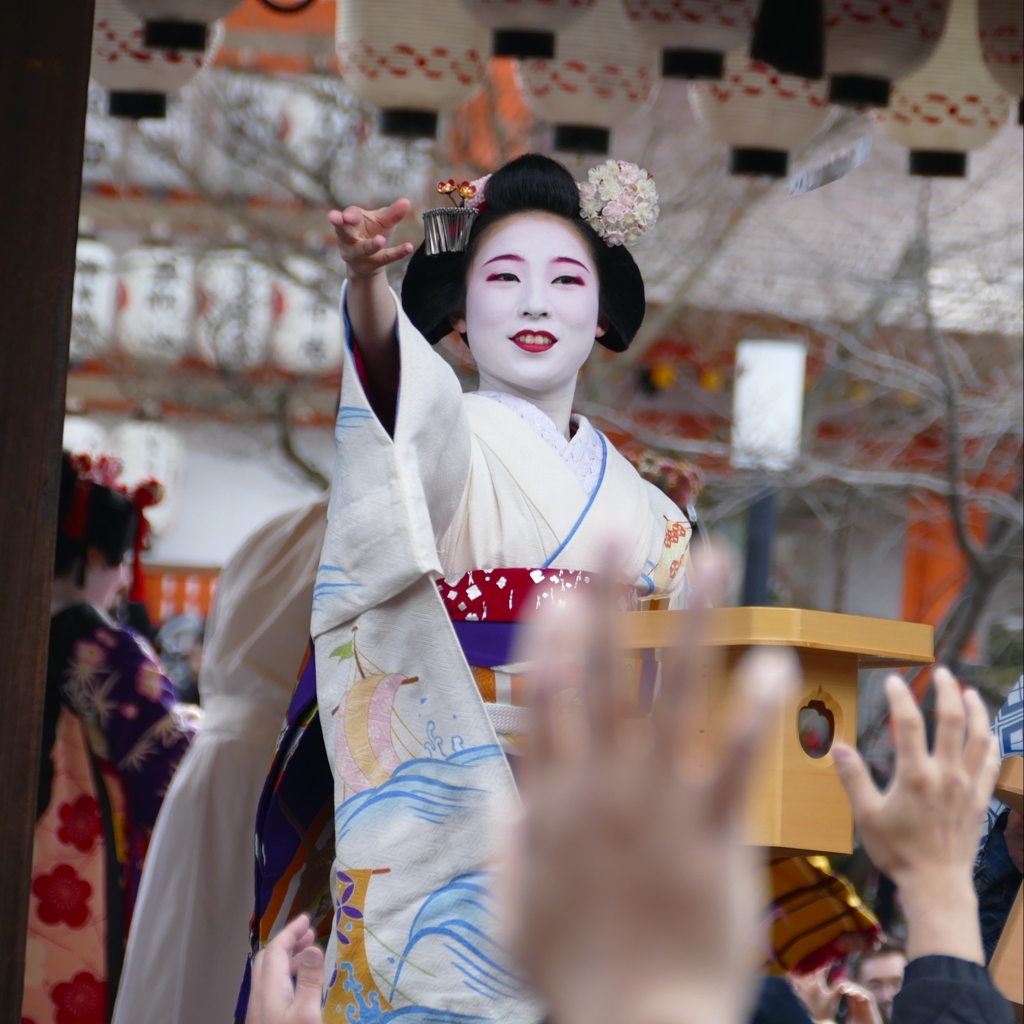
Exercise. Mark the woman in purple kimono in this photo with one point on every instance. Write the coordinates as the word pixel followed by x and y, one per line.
pixel 112 738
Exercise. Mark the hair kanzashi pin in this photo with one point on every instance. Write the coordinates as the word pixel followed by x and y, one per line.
pixel 619 201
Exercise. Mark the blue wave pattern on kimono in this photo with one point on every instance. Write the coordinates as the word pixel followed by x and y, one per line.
pixel 326 585
pixel 459 915
pixel 428 789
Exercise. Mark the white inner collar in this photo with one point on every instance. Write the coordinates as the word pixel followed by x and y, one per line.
pixel 583 454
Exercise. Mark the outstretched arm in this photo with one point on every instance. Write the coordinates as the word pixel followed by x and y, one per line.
pixel 923 833
pixel 363 240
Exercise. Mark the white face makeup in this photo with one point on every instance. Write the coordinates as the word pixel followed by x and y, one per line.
pixel 531 307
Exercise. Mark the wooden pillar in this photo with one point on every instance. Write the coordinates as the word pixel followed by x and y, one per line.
pixel 44 75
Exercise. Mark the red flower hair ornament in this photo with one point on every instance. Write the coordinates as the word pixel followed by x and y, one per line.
pixel 103 470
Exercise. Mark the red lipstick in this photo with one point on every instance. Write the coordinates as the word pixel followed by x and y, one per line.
pixel 534 341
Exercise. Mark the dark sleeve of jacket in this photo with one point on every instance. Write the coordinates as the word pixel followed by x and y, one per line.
pixel 778 1004
pixel 946 990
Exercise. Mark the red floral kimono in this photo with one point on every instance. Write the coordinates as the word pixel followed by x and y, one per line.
pixel 112 737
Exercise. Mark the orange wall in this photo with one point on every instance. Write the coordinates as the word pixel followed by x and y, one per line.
pixel 934 568
pixel 179 590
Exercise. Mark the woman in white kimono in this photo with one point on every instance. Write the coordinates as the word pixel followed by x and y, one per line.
pixel 188 942
pixel 450 515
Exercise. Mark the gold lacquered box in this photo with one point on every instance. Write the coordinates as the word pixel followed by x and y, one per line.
pixel 797 804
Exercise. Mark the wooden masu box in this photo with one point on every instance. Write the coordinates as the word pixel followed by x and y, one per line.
pixel 797 804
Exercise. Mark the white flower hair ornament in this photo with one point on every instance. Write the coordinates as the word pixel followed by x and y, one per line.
pixel 619 201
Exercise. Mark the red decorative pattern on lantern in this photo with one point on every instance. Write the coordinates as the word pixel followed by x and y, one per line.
pixel 122 62
pixel 755 106
pixel 403 60
pixel 603 74
pixel 408 55
pixel 952 103
pixel 696 24
pixel 1001 30
pixel 538 15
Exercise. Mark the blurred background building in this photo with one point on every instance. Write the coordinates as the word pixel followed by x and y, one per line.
pixel 206 345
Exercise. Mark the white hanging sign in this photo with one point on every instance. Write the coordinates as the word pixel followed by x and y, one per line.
pixel 768 404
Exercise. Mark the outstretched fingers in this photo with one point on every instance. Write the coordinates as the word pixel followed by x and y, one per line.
pixel 688 659
pixel 977 743
pixel 950 718
pixel 388 216
pixel 861 790
pixel 601 657
pixel 907 726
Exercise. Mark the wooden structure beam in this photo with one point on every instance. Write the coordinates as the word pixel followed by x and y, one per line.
pixel 44 75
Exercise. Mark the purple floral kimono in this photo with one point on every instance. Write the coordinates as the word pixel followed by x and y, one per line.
pixel 112 738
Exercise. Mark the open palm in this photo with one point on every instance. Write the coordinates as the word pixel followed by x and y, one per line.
pixel 363 237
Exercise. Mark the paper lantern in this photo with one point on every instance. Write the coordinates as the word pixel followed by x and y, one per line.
pixel 951 105
pixel 414 60
pixel 95 299
pixel 761 113
pixel 151 450
pixel 526 28
pixel 308 334
pixel 156 299
pixel 1001 25
pixel 869 43
pixel 179 24
pixel 605 73
pixel 694 35
pixel 137 77
pixel 234 310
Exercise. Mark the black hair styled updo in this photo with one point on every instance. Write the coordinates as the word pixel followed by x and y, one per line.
pixel 101 518
pixel 435 286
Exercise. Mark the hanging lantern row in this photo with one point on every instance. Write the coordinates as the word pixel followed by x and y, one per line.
pixel 1001 29
pixel 603 66
pixel 604 74
pixel 526 28
pixel 179 24
pixel 950 106
pixel 159 305
pixel 760 113
pixel 137 76
pixel 871 43
pixel 411 59
pixel 694 35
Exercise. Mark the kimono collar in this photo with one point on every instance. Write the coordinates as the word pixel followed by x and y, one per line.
pixel 583 454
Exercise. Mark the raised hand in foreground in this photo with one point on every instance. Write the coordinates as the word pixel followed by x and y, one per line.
pixel 923 830
pixel 291 954
pixel 628 891
pixel 821 999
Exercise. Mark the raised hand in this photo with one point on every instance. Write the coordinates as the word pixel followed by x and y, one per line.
pixel 290 954
pixel 923 830
pixel 363 237
pixel 628 891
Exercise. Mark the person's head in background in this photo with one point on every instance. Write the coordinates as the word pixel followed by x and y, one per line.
pixel 881 973
pixel 95 529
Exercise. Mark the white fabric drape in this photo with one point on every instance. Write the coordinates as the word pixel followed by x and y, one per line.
pixel 189 938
